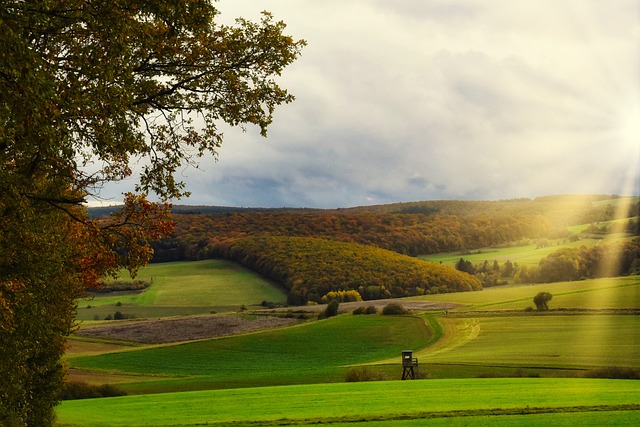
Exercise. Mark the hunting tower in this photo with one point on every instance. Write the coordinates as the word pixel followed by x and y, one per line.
pixel 408 363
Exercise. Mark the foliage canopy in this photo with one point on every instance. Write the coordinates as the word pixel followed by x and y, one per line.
pixel 312 268
pixel 87 88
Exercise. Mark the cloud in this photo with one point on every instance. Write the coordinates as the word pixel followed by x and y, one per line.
pixel 415 100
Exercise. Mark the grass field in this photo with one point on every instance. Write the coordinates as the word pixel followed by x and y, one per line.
pixel 367 404
pixel 605 293
pixel 529 254
pixel 295 375
pixel 180 288
pixel 555 341
pixel 311 352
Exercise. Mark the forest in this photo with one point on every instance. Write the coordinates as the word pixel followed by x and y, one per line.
pixel 197 235
pixel 316 270
pixel 367 251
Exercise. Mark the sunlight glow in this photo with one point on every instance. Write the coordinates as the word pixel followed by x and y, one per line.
pixel 630 129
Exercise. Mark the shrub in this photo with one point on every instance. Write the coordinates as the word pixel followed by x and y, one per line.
pixel 359 310
pixel 118 316
pixel 371 310
pixel 81 390
pixel 342 296
pixel 362 374
pixel 331 310
pixel 392 309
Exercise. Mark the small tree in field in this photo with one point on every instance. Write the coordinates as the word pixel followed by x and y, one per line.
pixel 541 301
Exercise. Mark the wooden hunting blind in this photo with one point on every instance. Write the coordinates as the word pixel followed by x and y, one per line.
pixel 408 363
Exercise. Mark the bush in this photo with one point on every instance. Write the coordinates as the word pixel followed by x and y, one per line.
pixel 362 374
pixel 331 310
pixel 80 390
pixel 368 310
pixel 393 309
pixel 118 316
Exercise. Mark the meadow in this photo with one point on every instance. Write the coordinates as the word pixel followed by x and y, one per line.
pixel 610 292
pixel 311 352
pixel 524 401
pixel 487 362
pixel 527 253
pixel 178 288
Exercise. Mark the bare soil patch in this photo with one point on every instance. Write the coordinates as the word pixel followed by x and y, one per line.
pixel 183 329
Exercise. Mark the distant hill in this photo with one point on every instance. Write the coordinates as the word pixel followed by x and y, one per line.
pixel 561 210
pixel 314 269
pixel 363 249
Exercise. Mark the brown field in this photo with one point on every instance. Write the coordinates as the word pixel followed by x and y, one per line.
pixel 182 329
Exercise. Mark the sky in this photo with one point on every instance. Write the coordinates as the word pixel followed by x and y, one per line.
pixel 414 100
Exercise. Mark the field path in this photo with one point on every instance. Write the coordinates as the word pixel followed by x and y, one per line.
pixel 456 333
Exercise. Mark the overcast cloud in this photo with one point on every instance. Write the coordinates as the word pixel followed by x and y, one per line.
pixel 437 99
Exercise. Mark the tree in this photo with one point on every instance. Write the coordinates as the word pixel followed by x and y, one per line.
pixel 541 301
pixel 87 88
pixel 465 266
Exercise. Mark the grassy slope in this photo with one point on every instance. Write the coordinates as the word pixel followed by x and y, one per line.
pixel 188 288
pixel 312 352
pixel 568 342
pixel 614 292
pixel 524 255
pixel 376 401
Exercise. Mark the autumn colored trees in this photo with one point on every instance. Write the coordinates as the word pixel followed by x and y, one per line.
pixel 564 264
pixel 197 235
pixel 314 269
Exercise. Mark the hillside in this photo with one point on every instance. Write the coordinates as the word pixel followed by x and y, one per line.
pixel 314 269
pixel 415 228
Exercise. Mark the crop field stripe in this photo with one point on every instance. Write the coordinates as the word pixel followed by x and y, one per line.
pixel 354 402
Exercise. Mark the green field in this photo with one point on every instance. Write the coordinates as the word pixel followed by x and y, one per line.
pixel 548 342
pixel 474 341
pixel 179 288
pixel 529 254
pixel 605 293
pixel 368 404
pixel 311 352
pixel 295 375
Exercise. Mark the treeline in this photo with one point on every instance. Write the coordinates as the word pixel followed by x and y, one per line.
pixel 565 264
pixel 312 268
pixel 197 236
